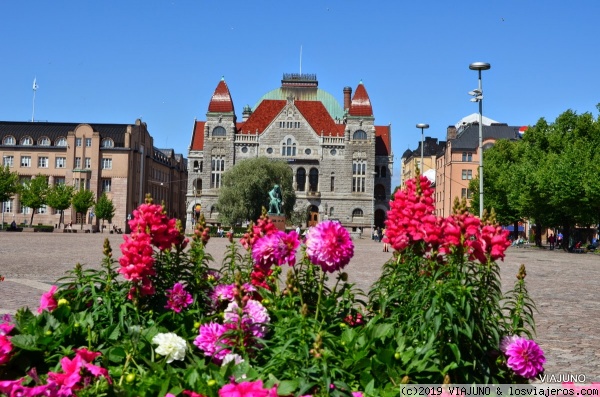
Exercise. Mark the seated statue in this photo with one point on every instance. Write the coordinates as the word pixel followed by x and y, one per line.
pixel 275 200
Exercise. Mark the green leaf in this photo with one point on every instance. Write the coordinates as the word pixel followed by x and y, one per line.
pixel 25 342
pixel 287 387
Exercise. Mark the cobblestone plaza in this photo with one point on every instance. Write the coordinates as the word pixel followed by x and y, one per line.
pixel 564 286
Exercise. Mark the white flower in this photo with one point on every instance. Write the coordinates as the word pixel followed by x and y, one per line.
pixel 170 345
pixel 232 357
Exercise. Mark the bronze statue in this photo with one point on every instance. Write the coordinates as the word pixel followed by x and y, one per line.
pixel 275 200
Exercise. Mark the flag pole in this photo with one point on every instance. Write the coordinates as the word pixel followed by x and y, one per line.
pixel 35 87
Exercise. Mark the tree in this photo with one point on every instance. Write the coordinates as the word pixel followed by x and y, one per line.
pixel 9 183
pixel 59 197
pixel 104 209
pixel 33 194
pixel 82 201
pixel 246 187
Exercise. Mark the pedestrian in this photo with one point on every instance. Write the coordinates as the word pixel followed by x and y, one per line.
pixel 386 247
pixel 551 241
pixel 298 230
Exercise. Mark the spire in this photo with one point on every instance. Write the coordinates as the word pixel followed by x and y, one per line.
pixel 361 104
pixel 221 101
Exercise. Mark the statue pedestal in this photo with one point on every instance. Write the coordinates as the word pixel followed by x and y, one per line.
pixel 278 221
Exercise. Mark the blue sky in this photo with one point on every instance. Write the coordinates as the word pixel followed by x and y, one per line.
pixel 115 61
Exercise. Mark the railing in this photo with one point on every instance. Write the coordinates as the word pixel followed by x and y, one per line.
pixel 332 140
pixel 248 138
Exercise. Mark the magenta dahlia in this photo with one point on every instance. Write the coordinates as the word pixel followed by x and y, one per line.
pixel 525 357
pixel 328 245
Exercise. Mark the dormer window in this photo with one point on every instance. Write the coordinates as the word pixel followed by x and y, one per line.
pixel 26 141
pixel 107 143
pixel 44 141
pixel 359 135
pixel 61 141
pixel 9 140
pixel 219 131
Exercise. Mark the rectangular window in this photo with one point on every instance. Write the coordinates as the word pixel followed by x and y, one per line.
pixel 106 183
pixel 25 210
pixel 77 162
pixel 333 183
pixel 106 164
pixel 467 157
pixel 359 168
pixel 43 209
pixel 25 161
pixel 467 174
pixel 59 181
pixel 88 163
pixel 7 206
pixel 42 162
pixel 88 142
pixel 465 193
pixel 78 142
pixel 216 171
pixel 61 162
pixel 9 161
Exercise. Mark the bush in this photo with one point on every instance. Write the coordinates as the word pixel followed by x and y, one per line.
pixel 162 320
pixel 43 228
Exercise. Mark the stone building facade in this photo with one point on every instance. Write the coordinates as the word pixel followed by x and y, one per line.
pixel 119 159
pixel 341 160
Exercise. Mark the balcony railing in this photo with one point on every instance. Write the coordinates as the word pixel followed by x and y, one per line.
pixel 313 193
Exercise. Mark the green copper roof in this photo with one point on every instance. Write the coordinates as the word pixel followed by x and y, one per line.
pixel 328 100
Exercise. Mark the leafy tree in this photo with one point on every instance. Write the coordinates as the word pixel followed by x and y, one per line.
pixel 59 198
pixel 9 183
pixel 246 189
pixel 33 194
pixel 82 201
pixel 104 209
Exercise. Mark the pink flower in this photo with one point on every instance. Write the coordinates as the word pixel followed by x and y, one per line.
pixel 276 248
pixel 254 317
pixel 525 357
pixel 5 349
pixel 210 340
pixel 227 292
pixel 47 301
pixel 192 393
pixel 247 389
pixel 178 298
pixel 328 245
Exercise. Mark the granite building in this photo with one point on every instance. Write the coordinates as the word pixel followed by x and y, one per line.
pixel 341 160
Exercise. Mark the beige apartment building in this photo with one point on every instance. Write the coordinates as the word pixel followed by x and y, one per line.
pixel 411 160
pixel 119 159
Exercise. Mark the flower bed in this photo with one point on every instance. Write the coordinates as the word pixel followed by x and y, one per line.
pixel 165 320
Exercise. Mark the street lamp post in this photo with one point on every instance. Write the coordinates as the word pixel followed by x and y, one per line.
pixel 478 97
pixel 422 127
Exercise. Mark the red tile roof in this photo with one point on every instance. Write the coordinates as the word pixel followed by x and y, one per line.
pixel 382 140
pixel 221 101
pixel 198 136
pixel 361 104
pixel 319 119
pixel 264 115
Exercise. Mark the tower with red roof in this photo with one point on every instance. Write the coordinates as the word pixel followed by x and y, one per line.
pixel 341 160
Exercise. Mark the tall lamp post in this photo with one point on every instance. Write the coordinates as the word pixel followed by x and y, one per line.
pixel 422 127
pixel 478 97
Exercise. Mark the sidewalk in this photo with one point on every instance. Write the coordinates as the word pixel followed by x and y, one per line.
pixel 564 286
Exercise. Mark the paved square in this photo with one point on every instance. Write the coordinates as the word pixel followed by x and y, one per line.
pixel 564 286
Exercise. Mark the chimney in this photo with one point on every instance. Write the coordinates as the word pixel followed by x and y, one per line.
pixel 451 133
pixel 347 97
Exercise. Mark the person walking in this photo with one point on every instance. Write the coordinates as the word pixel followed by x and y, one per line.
pixel 551 241
pixel 386 247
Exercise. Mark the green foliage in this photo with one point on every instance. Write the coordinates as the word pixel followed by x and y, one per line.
pixel 104 208
pixel 33 194
pixel 82 201
pixel 246 189
pixel 9 183
pixel 59 197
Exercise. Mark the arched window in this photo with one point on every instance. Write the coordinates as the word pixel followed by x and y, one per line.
pixel 61 141
pixel 379 192
pixel 197 186
pixel 26 141
pixel 300 179
pixel 313 180
pixel 219 131
pixel 359 135
pixel 9 140
pixel 107 142
pixel 357 213
pixel 288 148
pixel 196 166
pixel 44 141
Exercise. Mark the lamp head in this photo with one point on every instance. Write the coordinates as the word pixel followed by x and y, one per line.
pixel 475 92
pixel 479 66
pixel 421 125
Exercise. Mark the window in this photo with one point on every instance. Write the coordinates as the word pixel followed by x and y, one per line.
pixel 9 140
pixel 313 180
pixel 465 193
pixel 300 179
pixel 244 149
pixel 106 164
pixel 269 150
pixel 359 135
pixel 25 161
pixel 88 142
pixel 7 206
pixel 216 171
pixel 106 184
pixel 43 209
pixel 219 131
pixel 330 211
pixel 332 186
pixel 42 162
pixel 307 151
pixel 359 172
pixel 61 141
pixel 107 142
pixel 78 142
pixel 25 210
pixel 44 141
pixel 61 162
pixel 77 162
pixel 27 141
pixel 467 174
pixel 288 148
pixel 59 181
pixel 88 163
pixel 333 152
pixel 8 161
pixel 357 213
pixel 467 156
